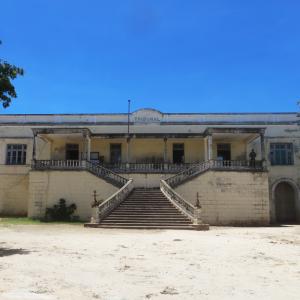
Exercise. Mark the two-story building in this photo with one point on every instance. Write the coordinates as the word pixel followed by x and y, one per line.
pixel 196 159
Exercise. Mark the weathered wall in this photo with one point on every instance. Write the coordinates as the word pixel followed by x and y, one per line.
pixel 14 189
pixel 230 198
pixel 145 180
pixel 14 180
pixel 47 187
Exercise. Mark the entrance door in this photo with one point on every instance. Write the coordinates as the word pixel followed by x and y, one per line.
pixel 285 205
pixel 115 153
pixel 72 151
pixel 178 153
pixel 223 152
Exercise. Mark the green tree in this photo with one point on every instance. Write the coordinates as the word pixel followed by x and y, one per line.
pixel 8 73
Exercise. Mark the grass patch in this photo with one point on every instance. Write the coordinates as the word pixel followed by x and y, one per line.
pixel 29 221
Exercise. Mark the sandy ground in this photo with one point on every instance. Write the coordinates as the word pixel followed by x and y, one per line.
pixel 48 262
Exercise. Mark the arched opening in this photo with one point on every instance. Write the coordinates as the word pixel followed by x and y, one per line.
pixel 285 203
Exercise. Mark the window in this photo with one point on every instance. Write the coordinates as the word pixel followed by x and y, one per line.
pixel 281 154
pixel 16 154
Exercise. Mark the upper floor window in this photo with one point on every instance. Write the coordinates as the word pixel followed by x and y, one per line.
pixel 16 154
pixel 281 154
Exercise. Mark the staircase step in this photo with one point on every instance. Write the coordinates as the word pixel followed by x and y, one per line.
pixel 153 227
pixel 146 209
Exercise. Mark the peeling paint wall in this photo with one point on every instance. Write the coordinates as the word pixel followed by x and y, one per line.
pixel 230 198
pixel 47 187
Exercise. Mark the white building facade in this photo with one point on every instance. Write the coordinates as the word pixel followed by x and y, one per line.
pixel 197 160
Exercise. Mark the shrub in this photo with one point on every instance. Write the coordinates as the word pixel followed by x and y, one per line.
pixel 60 211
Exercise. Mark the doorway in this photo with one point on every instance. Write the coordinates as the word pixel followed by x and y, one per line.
pixel 115 153
pixel 223 152
pixel 178 153
pixel 72 151
pixel 285 203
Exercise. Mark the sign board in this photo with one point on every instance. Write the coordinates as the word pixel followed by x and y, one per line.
pixel 145 116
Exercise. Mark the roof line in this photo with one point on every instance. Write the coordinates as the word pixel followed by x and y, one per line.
pixel 125 114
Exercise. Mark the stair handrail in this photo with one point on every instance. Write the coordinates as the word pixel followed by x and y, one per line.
pixel 93 167
pixel 105 173
pixel 198 168
pixel 213 164
pixel 112 202
pixel 188 209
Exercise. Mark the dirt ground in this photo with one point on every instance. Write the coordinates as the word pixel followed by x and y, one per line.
pixel 48 262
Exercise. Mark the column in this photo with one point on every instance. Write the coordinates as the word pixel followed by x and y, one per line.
pixel 209 147
pixel 34 147
pixel 262 148
pixel 88 152
pixel 165 153
pixel 205 149
pixel 128 152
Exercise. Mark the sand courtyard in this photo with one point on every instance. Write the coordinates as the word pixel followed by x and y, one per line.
pixel 49 262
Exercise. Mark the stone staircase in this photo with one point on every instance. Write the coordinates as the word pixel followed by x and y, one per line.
pixel 146 209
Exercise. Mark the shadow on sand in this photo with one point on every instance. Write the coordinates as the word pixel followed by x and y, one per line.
pixel 9 251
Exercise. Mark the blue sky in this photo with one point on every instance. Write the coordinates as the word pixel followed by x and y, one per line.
pixel 172 55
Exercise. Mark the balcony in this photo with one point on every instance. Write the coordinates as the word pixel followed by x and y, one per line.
pixel 222 165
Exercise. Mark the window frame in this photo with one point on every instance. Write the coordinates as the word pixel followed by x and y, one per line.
pixel 15 156
pixel 283 156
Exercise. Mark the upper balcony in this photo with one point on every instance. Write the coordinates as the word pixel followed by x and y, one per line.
pixel 69 148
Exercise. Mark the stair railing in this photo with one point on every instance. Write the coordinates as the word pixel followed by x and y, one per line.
pixel 182 176
pixel 106 207
pixel 188 209
pixel 218 165
pixel 70 165
pixel 105 173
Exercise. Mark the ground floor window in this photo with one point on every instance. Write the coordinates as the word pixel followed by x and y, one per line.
pixel 16 154
pixel 281 153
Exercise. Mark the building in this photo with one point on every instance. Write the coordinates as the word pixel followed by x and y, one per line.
pixel 196 159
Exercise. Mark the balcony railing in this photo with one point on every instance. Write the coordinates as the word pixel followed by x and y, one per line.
pixel 217 165
pixel 147 167
pixel 91 167
pixel 58 164
pixel 184 169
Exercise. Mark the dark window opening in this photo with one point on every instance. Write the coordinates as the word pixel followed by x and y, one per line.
pixel 178 153
pixel 115 153
pixel 223 152
pixel 72 151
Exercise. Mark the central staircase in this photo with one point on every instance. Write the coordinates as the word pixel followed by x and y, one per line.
pixel 146 209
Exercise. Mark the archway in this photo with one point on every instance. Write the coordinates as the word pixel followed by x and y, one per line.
pixel 285 202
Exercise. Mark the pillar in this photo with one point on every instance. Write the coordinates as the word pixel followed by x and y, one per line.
pixel 128 151
pixel 88 151
pixel 34 147
pixel 205 149
pixel 165 150
pixel 262 148
pixel 165 153
pixel 209 147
